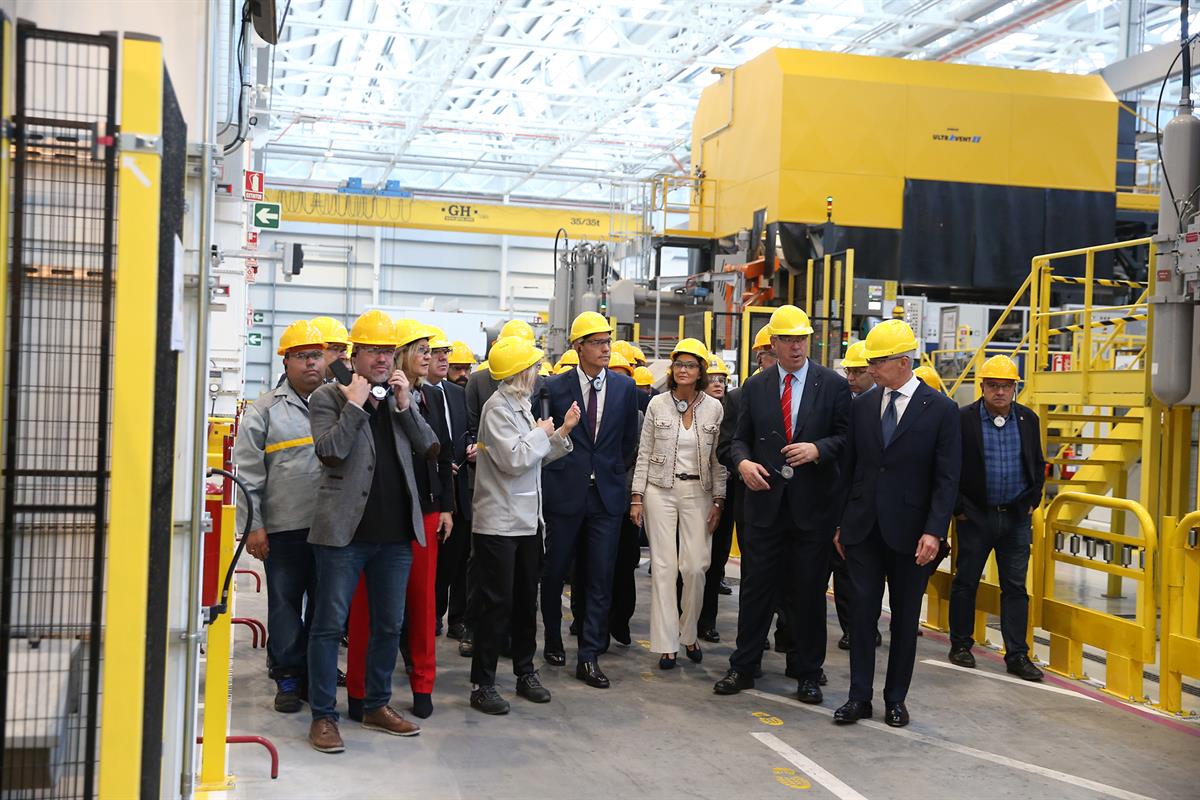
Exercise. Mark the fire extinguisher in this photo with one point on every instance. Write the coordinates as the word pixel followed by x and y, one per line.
pixel 1068 472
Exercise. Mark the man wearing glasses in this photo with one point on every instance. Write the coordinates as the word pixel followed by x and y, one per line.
pixel 790 433
pixel 367 513
pixel 900 484
pixel 586 494
pixel 274 455
pixel 1001 485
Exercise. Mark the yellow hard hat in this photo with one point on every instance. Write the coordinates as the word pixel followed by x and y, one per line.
pixel 856 355
pixel 625 350
pixel 438 340
pixel 374 328
pixel 301 333
pixel 569 359
pixel 717 366
pixel 544 370
pixel 333 331
pixel 484 366
pixel 511 355
pixel 409 331
pixel 762 339
pixel 519 328
pixel 1001 368
pixel 790 321
pixel 616 361
pixel 642 376
pixel 461 354
pixel 588 323
pixel 693 347
pixel 639 357
pixel 929 376
pixel 891 338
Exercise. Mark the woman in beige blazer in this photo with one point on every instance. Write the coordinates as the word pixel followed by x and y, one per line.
pixel 680 486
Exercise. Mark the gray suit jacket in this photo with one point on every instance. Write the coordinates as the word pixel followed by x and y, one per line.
pixel 344 444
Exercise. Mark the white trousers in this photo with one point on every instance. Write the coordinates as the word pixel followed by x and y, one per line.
pixel 676 522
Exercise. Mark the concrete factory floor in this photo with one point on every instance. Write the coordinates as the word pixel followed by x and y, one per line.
pixel 661 734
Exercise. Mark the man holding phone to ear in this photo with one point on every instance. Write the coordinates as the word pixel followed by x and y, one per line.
pixel 367 514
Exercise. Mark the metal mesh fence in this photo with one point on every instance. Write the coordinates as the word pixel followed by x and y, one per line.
pixel 58 340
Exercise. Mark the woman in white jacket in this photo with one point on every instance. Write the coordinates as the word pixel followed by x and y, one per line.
pixel 506 537
pixel 682 485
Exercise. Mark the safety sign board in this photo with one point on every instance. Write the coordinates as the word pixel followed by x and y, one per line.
pixel 266 215
pixel 253 184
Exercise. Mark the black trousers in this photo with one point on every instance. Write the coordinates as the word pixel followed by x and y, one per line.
pixel 842 589
pixel 722 540
pixel 781 561
pixel 506 592
pixel 624 589
pixel 451 589
pixel 870 562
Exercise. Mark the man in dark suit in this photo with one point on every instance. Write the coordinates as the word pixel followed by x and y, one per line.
pixel 902 459
pixel 452 559
pixel 1003 477
pixel 787 447
pixel 585 492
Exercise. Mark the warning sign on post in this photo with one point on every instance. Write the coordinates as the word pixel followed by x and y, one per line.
pixel 253 185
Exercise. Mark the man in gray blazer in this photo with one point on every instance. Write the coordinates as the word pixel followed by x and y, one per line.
pixel 367 514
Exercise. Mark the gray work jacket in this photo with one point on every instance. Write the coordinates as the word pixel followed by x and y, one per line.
pixel 274 455
pixel 508 469
pixel 344 444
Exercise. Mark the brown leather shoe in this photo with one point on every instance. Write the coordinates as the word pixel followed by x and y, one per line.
pixel 323 736
pixel 389 721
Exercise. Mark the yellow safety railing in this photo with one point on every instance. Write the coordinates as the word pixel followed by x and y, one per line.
pixel 1180 647
pixel 1130 644
pixel 700 207
pixel 980 356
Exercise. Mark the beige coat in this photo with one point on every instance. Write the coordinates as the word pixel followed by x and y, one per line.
pixel 660 438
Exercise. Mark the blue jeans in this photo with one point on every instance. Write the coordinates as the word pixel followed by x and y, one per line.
pixel 1009 533
pixel 385 567
pixel 291 581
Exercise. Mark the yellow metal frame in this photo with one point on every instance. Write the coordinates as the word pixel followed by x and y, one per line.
pixel 136 309
pixel 1130 643
pixel 746 339
pixel 1180 646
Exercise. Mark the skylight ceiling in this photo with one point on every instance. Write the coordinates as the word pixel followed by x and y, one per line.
pixel 557 100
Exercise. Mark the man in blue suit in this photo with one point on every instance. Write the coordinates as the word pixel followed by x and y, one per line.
pixel 903 458
pixel 585 495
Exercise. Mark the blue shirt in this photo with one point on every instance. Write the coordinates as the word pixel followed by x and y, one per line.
pixel 801 376
pixel 1002 458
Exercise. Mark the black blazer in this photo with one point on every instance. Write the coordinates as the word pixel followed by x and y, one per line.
pixel 909 488
pixel 441 482
pixel 822 418
pixel 972 489
pixel 733 404
pixel 456 397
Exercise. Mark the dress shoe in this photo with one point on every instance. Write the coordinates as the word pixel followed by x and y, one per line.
pixel 733 682
pixel 694 653
pixel 456 631
pixel 556 657
pixel 323 736
pixel 896 716
pixel 589 672
pixel 724 588
pixel 823 679
pixel 844 642
pixel 422 705
pixel 466 647
pixel 529 687
pixel 1023 668
pixel 287 696
pixel 666 661
pixel 809 692
pixel 852 711
pixel 710 635
pixel 341 678
pixel 622 636
pixel 488 700
pixel 962 657
pixel 387 720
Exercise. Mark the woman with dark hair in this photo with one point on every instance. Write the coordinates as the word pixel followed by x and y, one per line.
pixel 682 486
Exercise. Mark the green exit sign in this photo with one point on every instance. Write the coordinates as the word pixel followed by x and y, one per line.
pixel 254 339
pixel 259 317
